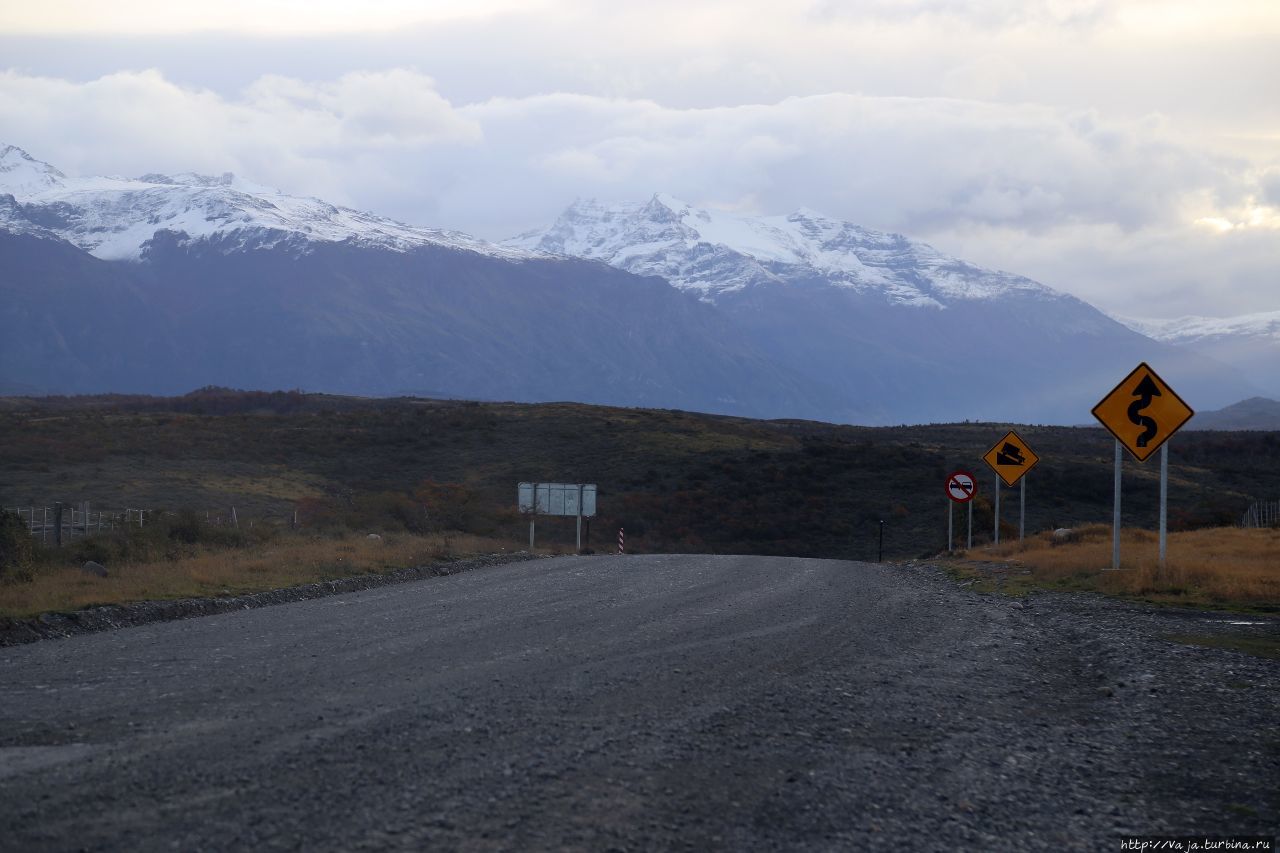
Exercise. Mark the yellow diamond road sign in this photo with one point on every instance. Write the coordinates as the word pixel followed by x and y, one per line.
pixel 1142 412
pixel 1011 458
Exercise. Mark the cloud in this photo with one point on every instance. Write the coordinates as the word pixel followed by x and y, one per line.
pixel 326 138
pixel 990 13
pixel 1097 206
pixel 910 164
pixel 1269 187
pixel 254 16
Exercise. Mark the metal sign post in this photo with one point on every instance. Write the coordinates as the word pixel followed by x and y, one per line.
pixel 1022 511
pixel 997 535
pixel 1164 500
pixel 1115 514
pixel 566 499
pixel 579 518
pixel 1011 458
pixel 961 488
pixel 1142 412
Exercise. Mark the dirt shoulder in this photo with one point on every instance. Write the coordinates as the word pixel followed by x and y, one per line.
pixel 111 617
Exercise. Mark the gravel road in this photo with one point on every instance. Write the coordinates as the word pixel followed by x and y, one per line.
pixel 642 702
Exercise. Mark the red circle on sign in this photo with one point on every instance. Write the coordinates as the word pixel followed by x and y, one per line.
pixel 961 486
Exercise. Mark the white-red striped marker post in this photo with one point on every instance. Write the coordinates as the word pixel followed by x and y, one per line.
pixel 621 541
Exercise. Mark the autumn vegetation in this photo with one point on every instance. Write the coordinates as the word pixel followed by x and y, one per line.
pixel 1219 566
pixel 414 471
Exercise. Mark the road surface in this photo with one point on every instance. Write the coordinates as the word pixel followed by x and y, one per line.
pixel 636 703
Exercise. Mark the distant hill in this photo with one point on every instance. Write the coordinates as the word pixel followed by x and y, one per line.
pixel 676 481
pixel 1257 413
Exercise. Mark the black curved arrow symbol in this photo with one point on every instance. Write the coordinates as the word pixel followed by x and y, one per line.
pixel 1145 392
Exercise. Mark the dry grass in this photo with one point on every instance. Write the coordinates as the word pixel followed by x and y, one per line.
pixel 1216 566
pixel 288 561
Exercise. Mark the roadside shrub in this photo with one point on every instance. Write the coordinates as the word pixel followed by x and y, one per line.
pixel 186 527
pixel 166 536
pixel 17 549
pixel 448 505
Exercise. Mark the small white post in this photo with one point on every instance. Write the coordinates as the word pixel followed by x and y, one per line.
pixel 951 512
pixel 579 518
pixel 969 544
pixel 1115 513
pixel 44 528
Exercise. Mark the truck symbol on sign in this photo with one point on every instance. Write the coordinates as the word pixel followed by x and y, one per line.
pixel 1010 454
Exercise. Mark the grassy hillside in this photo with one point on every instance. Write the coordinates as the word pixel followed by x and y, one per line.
pixel 675 480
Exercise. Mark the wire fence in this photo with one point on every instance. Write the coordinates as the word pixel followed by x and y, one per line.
pixel 60 523
pixel 1262 514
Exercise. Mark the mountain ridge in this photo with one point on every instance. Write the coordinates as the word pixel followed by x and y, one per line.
pixel 113 218
pixel 168 282
pixel 715 252
pixel 931 337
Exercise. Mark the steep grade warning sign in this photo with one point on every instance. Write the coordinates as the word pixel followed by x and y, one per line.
pixel 1011 458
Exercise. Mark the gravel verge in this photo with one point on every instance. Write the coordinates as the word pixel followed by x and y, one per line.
pixel 1136 732
pixel 113 616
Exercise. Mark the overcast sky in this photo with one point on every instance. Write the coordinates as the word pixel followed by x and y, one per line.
pixel 1125 151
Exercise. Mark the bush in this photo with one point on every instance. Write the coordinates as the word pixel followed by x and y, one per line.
pixel 448 506
pixel 166 536
pixel 17 548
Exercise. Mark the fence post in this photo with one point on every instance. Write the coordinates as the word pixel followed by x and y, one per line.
pixel 57 523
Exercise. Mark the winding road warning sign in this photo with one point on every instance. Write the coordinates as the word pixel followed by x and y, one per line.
pixel 961 486
pixel 1142 412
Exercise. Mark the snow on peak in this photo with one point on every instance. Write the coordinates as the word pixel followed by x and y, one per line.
pixel 1191 329
pixel 114 218
pixel 22 175
pixel 712 251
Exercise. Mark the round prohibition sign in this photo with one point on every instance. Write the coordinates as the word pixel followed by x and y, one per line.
pixel 961 486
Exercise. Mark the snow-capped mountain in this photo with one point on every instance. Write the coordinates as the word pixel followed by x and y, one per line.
pixel 162 284
pixel 114 218
pixel 165 283
pixel 894 328
pixel 1190 330
pixel 713 252
pixel 1250 342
